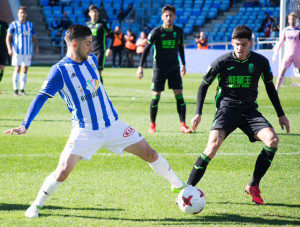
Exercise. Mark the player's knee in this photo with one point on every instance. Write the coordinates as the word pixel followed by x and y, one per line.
pixel 273 142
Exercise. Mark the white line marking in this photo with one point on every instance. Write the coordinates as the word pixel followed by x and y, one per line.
pixel 126 154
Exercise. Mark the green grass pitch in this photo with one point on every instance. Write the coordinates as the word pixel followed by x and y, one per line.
pixel 112 190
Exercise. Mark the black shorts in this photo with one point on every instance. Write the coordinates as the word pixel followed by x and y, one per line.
pixel 3 57
pixel 250 122
pixel 100 55
pixel 159 79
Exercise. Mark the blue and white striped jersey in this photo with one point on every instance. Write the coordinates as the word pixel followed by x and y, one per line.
pixel 22 37
pixel 79 86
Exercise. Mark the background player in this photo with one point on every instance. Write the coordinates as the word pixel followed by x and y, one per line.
pixel 168 40
pixel 238 74
pixel 3 48
pixel 19 40
pixel 291 38
pixel 95 121
pixel 99 30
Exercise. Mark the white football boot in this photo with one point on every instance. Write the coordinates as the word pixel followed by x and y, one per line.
pixel 33 211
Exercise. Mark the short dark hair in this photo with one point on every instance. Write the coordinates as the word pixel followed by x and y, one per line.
pixel 93 7
pixel 22 8
pixel 241 32
pixel 76 32
pixel 168 7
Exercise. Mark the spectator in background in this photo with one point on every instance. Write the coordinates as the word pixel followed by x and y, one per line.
pixel 65 21
pixel 54 2
pixel 140 46
pixel 121 15
pixel 147 29
pixel 118 46
pixel 202 41
pixel 57 39
pixel 265 21
pixel 130 39
pixel 102 13
pixel 54 24
pixel 275 3
pixel 275 28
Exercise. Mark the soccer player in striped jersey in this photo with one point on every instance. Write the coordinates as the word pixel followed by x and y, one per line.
pixel 96 122
pixel 291 38
pixel 19 40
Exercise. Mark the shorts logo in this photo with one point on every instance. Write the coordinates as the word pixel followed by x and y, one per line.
pixel 128 131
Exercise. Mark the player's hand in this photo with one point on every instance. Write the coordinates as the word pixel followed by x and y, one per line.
pixel 182 71
pixel 108 52
pixel 195 122
pixel 284 122
pixel 21 130
pixel 274 58
pixel 10 53
pixel 36 51
pixel 139 73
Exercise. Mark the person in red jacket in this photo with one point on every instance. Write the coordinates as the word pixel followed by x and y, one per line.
pixel 130 48
pixel 202 41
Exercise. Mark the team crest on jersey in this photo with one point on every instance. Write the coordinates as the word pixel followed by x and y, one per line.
pixel 128 132
pixel 251 68
pixel 92 85
pixel 174 34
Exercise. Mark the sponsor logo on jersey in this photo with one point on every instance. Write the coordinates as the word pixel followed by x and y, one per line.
pixel 128 132
pixel 251 68
pixel 92 85
pixel 230 68
pixel 168 44
pixel 174 34
pixel 239 81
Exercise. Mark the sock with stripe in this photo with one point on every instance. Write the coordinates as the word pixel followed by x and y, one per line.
pixel 23 80
pixel 198 169
pixel 262 164
pixel 16 81
pixel 154 107
pixel 162 167
pixel 181 108
pixel 48 188
pixel 1 74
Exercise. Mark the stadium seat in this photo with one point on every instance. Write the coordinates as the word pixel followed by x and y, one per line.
pixel 44 2
pixel 85 5
pixel 183 19
pixel 200 21
pixel 78 11
pixel 179 11
pixel 47 10
pixel 68 9
pixel 57 10
pixel 196 12
pixel 97 2
pixel 212 13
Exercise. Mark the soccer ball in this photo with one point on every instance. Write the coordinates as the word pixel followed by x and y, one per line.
pixel 191 200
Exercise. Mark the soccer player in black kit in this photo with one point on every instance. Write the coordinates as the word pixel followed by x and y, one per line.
pixel 238 73
pixel 3 48
pixel 99 30
pixel 168 41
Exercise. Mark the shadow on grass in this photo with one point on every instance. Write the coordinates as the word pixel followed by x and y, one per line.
pixel 217 219
pixel 190 220
pixel 10 207
pixel 45 120
pixel 253 204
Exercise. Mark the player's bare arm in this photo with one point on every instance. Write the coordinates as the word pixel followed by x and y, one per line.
pixel 36 45
pixel 8 44
pixel 108 52
pixel 139 73
pixel 20 130
pixel 195 122
pixel 284 123
pixel 182 71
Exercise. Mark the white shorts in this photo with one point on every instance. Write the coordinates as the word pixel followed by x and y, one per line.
pixel 85 142
pixel 21 60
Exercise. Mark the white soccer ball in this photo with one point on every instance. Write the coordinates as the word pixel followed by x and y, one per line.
pixel 191 200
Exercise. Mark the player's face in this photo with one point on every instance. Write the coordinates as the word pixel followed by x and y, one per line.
pixel 22 15
pixel 292 21
pixel 84 48
pixel 94 15
pixel 241 48
pixel 168 18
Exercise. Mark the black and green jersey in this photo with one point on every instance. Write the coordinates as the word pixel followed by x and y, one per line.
pixel 167 43
pixel 99 31
pixel 3 30
pixel 238 80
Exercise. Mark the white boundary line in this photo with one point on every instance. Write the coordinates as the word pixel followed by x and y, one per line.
pixel 127 154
